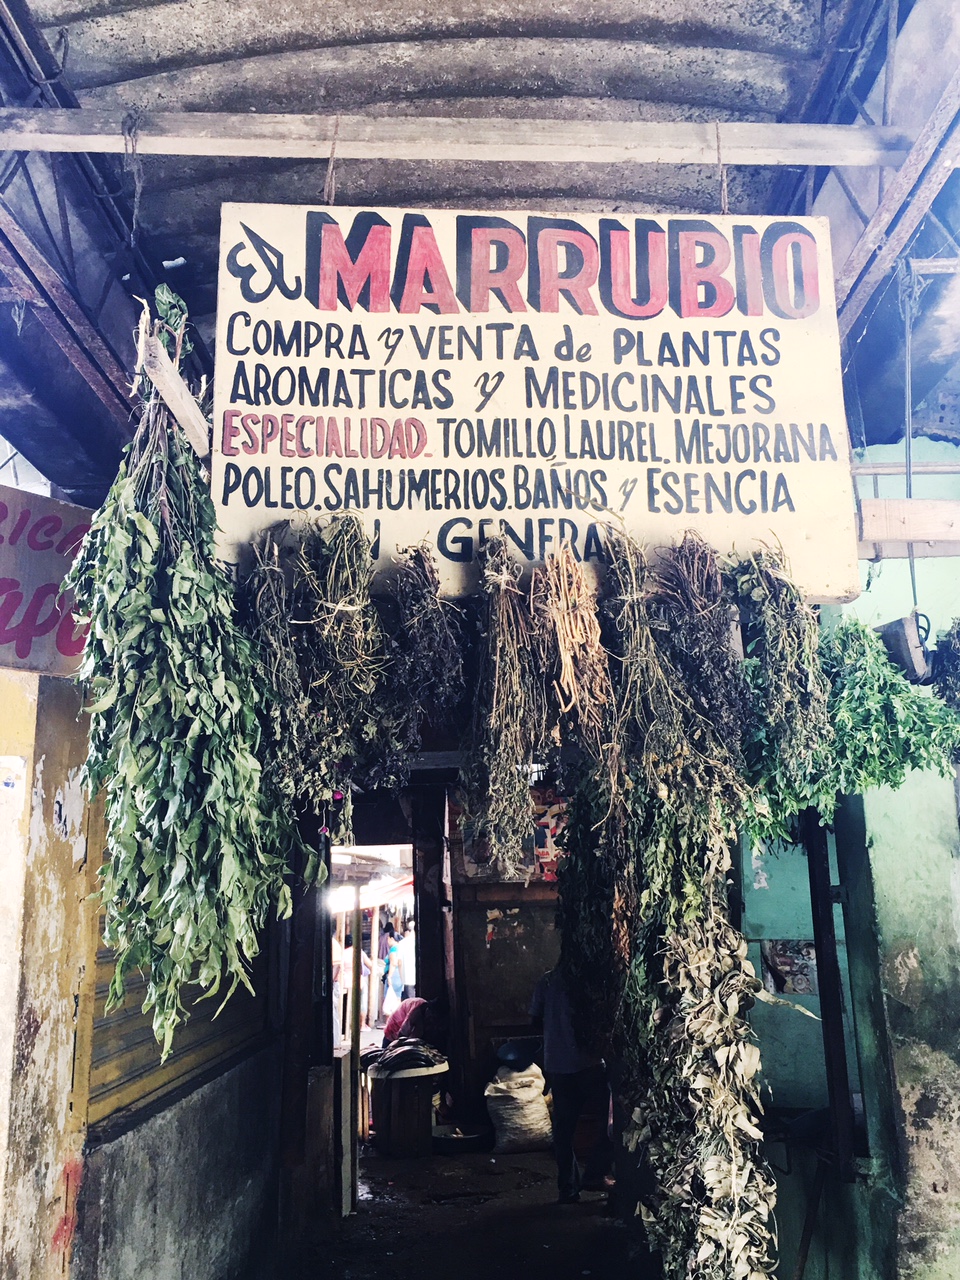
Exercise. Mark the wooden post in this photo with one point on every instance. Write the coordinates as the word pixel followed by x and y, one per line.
pixel 355 1046
pixel 344 977
pixel 373 1001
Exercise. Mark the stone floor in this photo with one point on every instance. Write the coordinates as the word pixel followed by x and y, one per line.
pixel 477 1216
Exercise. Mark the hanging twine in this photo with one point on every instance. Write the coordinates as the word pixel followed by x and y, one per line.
pixel 330 181
pixel 132 163
pixel 722 170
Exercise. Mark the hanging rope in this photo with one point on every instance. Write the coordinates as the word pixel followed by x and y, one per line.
pixel 330 181
pixel 722 171
pixel 132 163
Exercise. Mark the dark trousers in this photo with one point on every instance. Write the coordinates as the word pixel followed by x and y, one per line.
pixel 575 1094
pixel 409 992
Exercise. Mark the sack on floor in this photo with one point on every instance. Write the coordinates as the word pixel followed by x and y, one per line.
pixel 518 1110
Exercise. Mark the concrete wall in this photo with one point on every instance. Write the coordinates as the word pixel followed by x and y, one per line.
pixel 191 1192
pixel 45 919
pixel 915 860
pixel 898 856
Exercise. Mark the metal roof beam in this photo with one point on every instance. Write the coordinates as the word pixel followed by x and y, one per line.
pixel 906 201
pixel 311 137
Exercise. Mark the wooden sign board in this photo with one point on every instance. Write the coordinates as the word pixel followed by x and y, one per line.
pixel 448 375
pixel 39 538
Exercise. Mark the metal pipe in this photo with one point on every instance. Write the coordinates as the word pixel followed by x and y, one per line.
pixel 898 469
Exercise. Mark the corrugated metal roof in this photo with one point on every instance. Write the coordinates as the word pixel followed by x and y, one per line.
pixel 626 60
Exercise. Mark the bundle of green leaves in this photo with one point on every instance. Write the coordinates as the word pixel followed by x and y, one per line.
pixel 882 725
pixel 196 857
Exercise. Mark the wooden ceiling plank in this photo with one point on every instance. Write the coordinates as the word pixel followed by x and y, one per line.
pixel 196 133
pixel 909 520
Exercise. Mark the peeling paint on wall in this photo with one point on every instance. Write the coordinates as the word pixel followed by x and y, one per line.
pixel 68 815
pixel 41 1143
pixel 930 1223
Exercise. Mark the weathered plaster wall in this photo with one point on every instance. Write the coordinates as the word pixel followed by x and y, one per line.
pixel 18 696
pixel 915 860
pixel 899 862
pixel 190 1193
pixel 45 923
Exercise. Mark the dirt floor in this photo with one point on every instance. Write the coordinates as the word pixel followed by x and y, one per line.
pixel 478 1216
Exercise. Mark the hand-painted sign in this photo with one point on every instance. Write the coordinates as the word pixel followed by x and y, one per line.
pixel 38 540
pixel 450 375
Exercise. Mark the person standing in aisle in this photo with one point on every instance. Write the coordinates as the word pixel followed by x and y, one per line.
pixel 578 1082
pixel 408 961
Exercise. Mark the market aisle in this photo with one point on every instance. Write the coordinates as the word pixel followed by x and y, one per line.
pixel 477 1217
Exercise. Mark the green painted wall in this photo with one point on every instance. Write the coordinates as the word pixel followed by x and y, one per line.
pixel 898 857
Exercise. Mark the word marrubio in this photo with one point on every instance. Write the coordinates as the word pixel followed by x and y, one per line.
pixel 635 272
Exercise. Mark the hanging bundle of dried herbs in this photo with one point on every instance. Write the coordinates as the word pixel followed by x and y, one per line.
pixel 194 859
pixel 510 717
pixel 589 958
pixel 267 593
pixel 424 677
pixel 792 730
pixel 946 669
pixel 340 652
pixel 721 1187
pixel 691 1064
pixel 565 612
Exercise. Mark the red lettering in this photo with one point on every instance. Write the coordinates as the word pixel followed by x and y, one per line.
pixel 622 275
pixel 22 521
pixel 286 436
pixel 425 265
pixel 269 430
pixel 378 437
pixel 416 437
pixel 70 541
pixel 71 637
pixel 577 285
pixel 34 623
pixel 230 429
pixel 302 424
pixel 484 278
pixel 718 296
pixel 46 524
pixel 250 422
pixel 398 443
pixel 371 266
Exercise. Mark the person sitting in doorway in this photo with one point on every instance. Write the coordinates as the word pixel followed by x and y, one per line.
pixel 416 1019
pixel 578 1082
